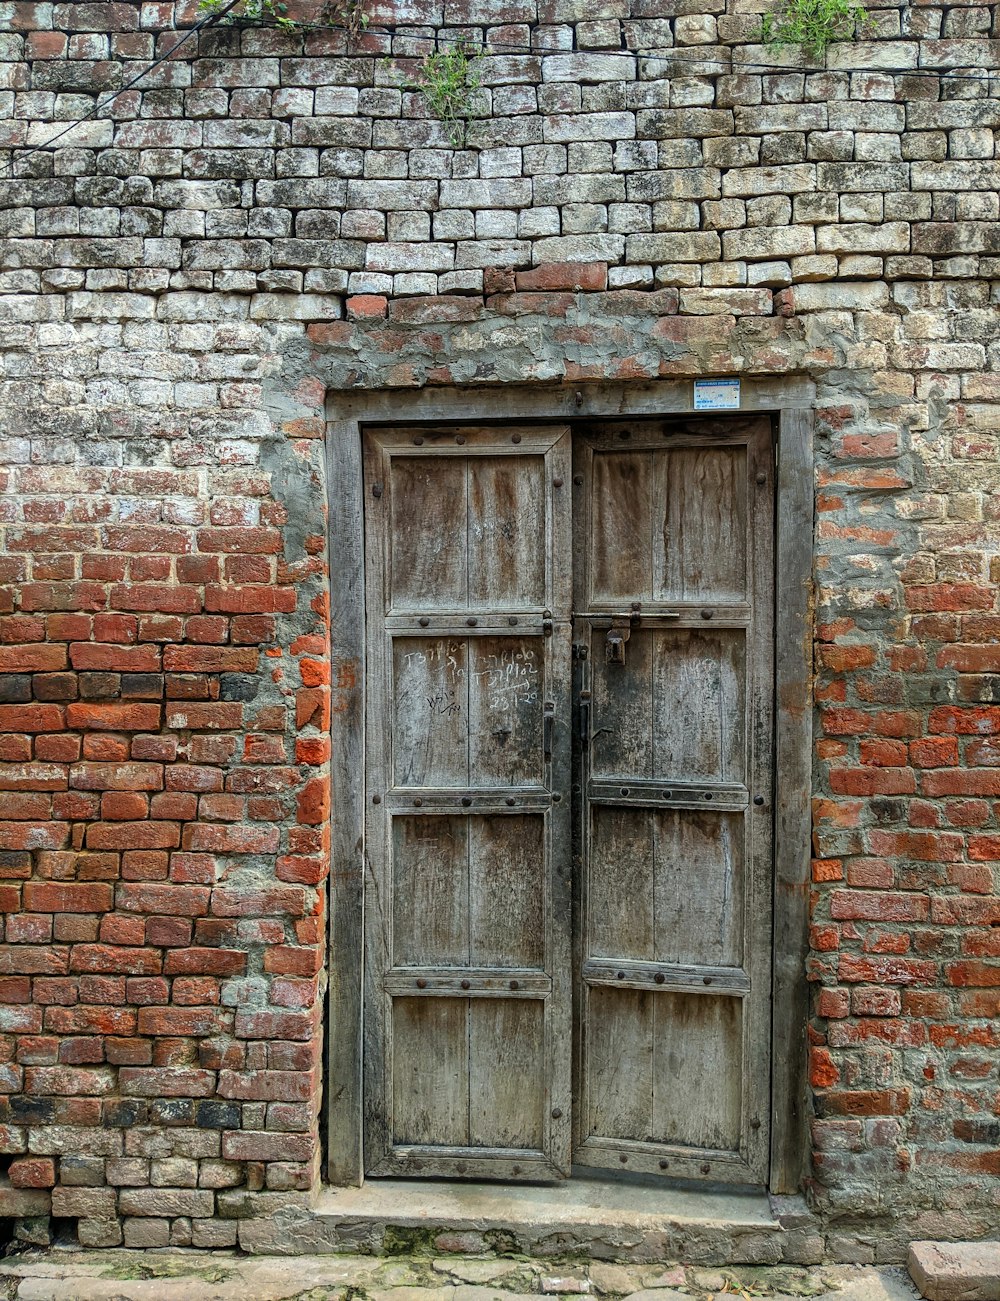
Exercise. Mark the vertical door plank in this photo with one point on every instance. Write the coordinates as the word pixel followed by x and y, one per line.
pixel 430 891
pixel 621 524
pixel 507 532
pixel 698 1070
pixel 699 704
pixel 429 538
pixel 430 1055
pixel 506 1073
pixel 699 891
pixel 623 726
pixel 344 1049
pixel 507 891
pixel 430 732
pixel 619 1080
pixel 505 711
pixel 620 920
pixel 700 525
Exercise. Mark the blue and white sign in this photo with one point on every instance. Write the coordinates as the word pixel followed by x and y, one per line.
pixel 716 395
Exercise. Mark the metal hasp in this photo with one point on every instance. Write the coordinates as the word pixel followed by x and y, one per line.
pixel 618 635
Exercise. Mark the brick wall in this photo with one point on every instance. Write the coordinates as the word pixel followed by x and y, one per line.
pixel 267 218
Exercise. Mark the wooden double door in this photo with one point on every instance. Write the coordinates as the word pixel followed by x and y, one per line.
pixel 569 799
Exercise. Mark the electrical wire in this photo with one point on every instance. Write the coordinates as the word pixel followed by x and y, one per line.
pixel 712 67
pixel 19 157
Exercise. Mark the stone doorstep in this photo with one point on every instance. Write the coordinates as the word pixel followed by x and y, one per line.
pixel 956 1271
pixel 588 1217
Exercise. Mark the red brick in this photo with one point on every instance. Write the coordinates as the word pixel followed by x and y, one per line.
pixel 200 961
pixel 286 960
pixel 965 719
pixel 124 805
pixel 240 541
pixel 367 306
pixel 133 835
pixel 150 538
pixel 166 1082
pixel 157 748
pixel 934 752
pixel 882 906
pixel 197 717
pixel 113 959
pixel 18 748
pixel 981 975
pixel 872 781
pixel 206 629
pixel 305 869
pixel 574 276
pixel 115 658
pixel 170 899
pixel 949 596
pixel 267 1086
pixel 185 1022
pixel 34 658
pixel 20 628
pixel 34 835
pixel 259 1145
pixel 250 599
pixel 193 777
pixel 53 898
pixel 32 718
pixel 145 865
pixel 230 839
pixel 866 1102
pixel 120 629
pixel 27 806
pixel 117 776
pixel 275 1025
pixel 63 596
pixel 32 777
pixel 113 718
pixel 210 659
pixel 32 1172
pixel 924 846
pixel 252 629
pixel 176 805
pixel 155 598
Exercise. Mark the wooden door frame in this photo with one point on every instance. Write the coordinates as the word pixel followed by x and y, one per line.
pixel 790 402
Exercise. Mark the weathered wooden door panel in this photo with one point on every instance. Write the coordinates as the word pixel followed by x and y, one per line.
pixel 674 530
pixel 467 923
pixel 470 567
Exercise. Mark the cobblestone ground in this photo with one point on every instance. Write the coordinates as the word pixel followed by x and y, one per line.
pixel 220 1276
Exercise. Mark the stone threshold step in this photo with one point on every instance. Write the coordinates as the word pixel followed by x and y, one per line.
pixel 600 1219
pixel 956 1271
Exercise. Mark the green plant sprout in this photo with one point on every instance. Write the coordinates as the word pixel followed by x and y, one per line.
pixel 813 24
pixel 249 11
pixel 448 80
pixel 335 13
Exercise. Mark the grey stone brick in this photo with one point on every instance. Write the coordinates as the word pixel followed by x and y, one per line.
pixel 159 1202
pixel 397 195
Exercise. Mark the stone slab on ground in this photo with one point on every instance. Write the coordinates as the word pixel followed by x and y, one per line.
pixel 956 1271
pixel 579 1218
pixel 191 1275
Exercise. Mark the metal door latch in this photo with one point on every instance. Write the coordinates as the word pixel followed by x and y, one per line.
pixel 618 635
